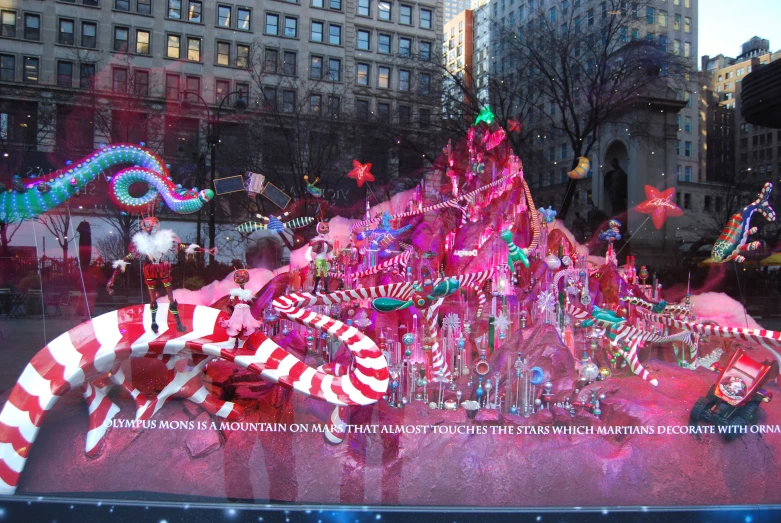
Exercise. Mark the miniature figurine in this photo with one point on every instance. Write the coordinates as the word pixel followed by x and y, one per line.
pixel 241 324
pixel 156 246
pixel 322 248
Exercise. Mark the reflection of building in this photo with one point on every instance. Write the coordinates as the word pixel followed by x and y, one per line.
pixel 452 8
pixel 457 53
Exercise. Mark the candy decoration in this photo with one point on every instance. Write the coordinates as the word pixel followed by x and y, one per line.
pixel 361 173
pixel 731 244
pixel 659 205
pixel 514 254
pixel 274 224
pixel 581 170
pixel 160 187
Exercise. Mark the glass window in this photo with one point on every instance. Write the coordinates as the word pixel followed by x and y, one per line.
pixel 243 91
pixel 424 117
pixel 193 85
pixel 142 41
pixel 333 105
pixel 221 89
pixel 424 86
pixel 86 75
pixel 362 109
pixel 687 25
pixel 289 64
pixel 141 82
pixel 688 149
pixel 270 98
pixel 362 74
pixel 364 7
pixel 89 33
pixel 242 56
pixel 288 101
pixel 120 39
pixel 122 5
pixel 405 14
pixel 31 65
pixel 272 24
pixel 405 46
pixel 32 27
pixel 224 16
pixel 662 18
pixel 243 16
pixel 425 51
pixel 175 9
pixel 172 86
pixel 8 24
pixel 404 79
pixel 317 32
pixel 362 41
pixel 384 44
pixel 383 111
pixel 687 124
pixel 291 27
pixel 271 59
pixel 650 15
pixel 119 80
pixel 174 46
pixel 194 49
pixel 334 69
pixel 383 77
pixel 426 18
pixel 65 32
pixel 194 11
pixel 223 53
pixel 335 34
pixel 687 49
pixel 316 67
pixel 677 23
pixel 315 103
pixel 318 3
pixel 64 74
pixel 405 114
pixel 335 4
pixel 384 9
pixel 7 68
pixel 144 7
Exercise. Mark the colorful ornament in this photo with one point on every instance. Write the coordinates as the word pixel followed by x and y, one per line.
pixel 581 170
pixel 659 205
pixel 732 240
pixel 514 254
pixel 485 115
pixel 361 173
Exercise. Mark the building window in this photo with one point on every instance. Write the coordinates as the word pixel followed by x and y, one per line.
pixel 120 39
pixel 288 101
pixel 141 82
pixel 31 65
pixel 687 49
pixel 89 33
pixel 334 69
pixel 86 76
pixel 289 63
pixel 315 103
pixel 563 151
pixel 333 105
pixel 364 8
pixel 426 18
pixel 194 49
pixel 424 83
pixel 272 24
pixel 650 15
pixel 405 15
pixel 193 86
pixel 243 92
pixel 174 46
pixel 122 5
pixel 7 68
pixel 223 53
pixel 383 112
pixel 687 200
pixel 142 41
pixel 144 7
pixel 316 67
pixel 362 42
pixel 383 77
pixel 65 33
pixel 8 24
pixel 662 19
pixel 119 80
pixel 64 74
pixel 425 51
pixel 405 47
pixel 224 16
pixel 242 56
pixel 404 79
pixel 687 176
pixel 32 27
pixel 172 86
pixel 335 34
pixel 405 114
pixel 335 5
pixel 317 32
pixel 424 116
pixel 271 59
pixel 362 74
pixel 687 25
pixel 384 9
pixel 221 89
pixel 362 109
pixel 243 17
pixel 175 9
pixel 687 124
pixel 384 44
pixel 291 27
pixel 270 98
pixel 688 149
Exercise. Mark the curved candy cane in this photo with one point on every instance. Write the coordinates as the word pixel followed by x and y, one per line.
pixel 35 196
pixel 402 260
pixel 160 187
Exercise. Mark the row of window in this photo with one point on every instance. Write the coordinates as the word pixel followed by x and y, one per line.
pixel 384 44
pixel 687 148
pixel 192 11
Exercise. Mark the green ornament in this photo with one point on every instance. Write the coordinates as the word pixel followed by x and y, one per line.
pixel 485 115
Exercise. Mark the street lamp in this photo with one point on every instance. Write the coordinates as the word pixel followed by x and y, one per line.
pixel 213 139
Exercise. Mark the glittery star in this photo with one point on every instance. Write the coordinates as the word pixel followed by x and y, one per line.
pixel 361 173
pixel 659 205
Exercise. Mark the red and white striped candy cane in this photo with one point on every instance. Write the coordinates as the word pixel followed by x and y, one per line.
pixel 402 260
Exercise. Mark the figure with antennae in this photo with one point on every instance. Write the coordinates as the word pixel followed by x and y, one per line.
pixel 241 325
pixel 320 252
pixel 156 247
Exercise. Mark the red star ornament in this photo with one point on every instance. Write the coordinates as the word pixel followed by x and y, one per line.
pixel 659 205
pixel 514 125
pixel 361 173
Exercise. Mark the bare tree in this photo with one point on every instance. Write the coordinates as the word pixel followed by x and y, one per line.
pixel 59 225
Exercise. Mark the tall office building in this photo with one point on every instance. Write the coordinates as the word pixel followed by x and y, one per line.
pixel 451 8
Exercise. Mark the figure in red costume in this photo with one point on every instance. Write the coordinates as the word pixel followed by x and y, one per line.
pixel 156 247
pixel 241 325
